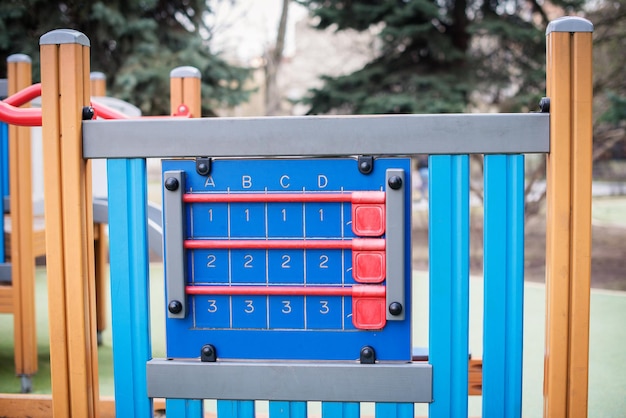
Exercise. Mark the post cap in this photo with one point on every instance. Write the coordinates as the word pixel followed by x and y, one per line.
pixel 185 71
pixel 19 58
pixel 97 75
pixel 569 24
pixel 64 36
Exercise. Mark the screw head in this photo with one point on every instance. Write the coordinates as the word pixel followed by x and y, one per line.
pixel 202 169
pixel 207 350
pixel 395 308
pixel 544 105
pixel 175 307
pixel 367 352
pixel 395 182
pixel 88 113
pixel 171 184
pixel 365 167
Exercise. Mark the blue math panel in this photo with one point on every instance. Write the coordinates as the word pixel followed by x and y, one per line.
pixel 285 259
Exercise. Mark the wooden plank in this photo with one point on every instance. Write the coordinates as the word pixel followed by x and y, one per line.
pixel 40 406
pixel 6 299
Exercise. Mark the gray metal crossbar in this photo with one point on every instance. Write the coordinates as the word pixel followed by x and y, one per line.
pixel 293 381
pixel 318 136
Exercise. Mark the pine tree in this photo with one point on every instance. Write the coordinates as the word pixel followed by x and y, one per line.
pixel 439 56
pixel 136 43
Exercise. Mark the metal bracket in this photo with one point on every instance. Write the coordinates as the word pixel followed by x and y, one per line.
pixel 394 238
pixel 203 166
pixel 174 226
pixel 366 164
pixel 367 355
pixel 208 354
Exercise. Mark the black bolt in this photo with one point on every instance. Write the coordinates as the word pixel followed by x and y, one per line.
pixel 395 182
pixel 175 307
pixel 366 164
pixel 367 352
pixel 367 355
pixel 207 350
pixel 395 308
pixel 202 169
pixel 208 353
pixel 544 105
pixel 88 113
pixel 171 184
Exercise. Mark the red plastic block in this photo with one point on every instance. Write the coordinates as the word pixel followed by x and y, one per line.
pixel 368 307
pixel 368 219
pixel 368 266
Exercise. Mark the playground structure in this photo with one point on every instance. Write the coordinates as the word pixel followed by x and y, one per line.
pixel 563 132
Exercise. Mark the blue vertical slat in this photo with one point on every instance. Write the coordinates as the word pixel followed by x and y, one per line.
pixel 504 285
pixel 4 133
pixel 279 409
pixel 235 409
pixel 130 312
pixel 449 283
pixel 341 409
pixel 4 181
pixel 183 408
pixel 394 410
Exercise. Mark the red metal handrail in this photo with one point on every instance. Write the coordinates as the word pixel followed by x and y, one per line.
pixel 24 96
pixel 18 116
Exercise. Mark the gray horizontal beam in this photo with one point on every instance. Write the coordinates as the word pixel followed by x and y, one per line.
pixel 295 381
pixel 317 136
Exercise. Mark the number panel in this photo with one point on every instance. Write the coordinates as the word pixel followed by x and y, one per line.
pixel 281 326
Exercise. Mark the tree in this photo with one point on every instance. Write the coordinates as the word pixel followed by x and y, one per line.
pixel 136 43
pixel 609 83
pixel 439 56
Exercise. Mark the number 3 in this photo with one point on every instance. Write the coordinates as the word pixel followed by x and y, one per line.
pixel 249 307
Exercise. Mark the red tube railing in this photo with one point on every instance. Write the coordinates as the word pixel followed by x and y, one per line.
pixel 11 113
pixel 24 96
pixel 18 116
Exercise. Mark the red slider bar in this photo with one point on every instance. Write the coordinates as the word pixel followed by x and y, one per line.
pixel 368 301
pixel 356 291
pixel 365 244
pixel 352 197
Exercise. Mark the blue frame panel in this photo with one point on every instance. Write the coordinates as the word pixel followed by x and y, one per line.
pixel 4 180
pixel 130 311
pixel 259 334
pixel 449 283
pixel 504 285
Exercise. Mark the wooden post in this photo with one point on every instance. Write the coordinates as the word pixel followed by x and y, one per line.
pixel 568 246
pixel 69 220
pixel 185 85
pixel 19 69
pixel 98 83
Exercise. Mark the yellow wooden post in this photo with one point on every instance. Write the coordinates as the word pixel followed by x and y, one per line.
pixel 69 220
pixel 568 249
pixel 185 85
pixel 19 69
pixel 98 84
pixel 101 247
